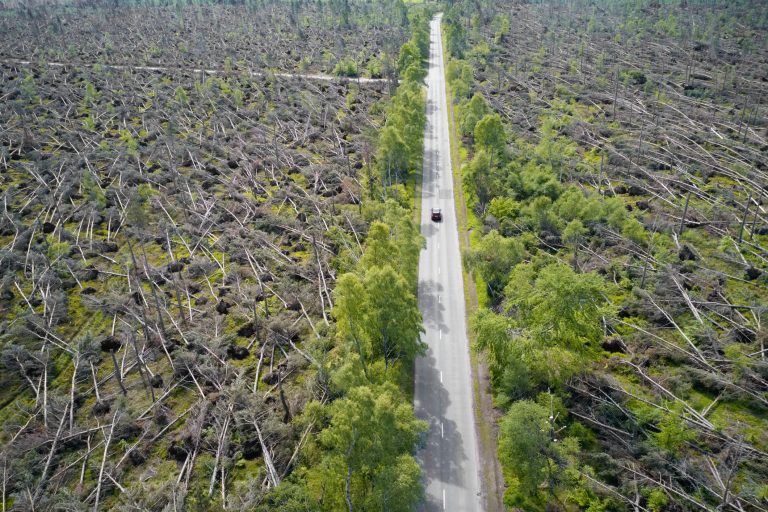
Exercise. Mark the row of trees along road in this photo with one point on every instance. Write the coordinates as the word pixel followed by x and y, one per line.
pixel 362 457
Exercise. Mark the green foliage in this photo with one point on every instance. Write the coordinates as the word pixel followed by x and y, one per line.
pixel 673 433
pixel 393 320
pixel 523 441
pixel 455 36
pixel 180 95
pixel 92 190
pixel 560 306
pixel 491 336
pixel 493 258
pixel 91 96
pixel 633 76
pixel 479 178
pixel 56 247
pixel 89 123
pixel 29 88
pixel 375 68
pixel 392 155
pixel 367 450
pixel 500 28
pixel 350 311
pixel 574 233
pixel 287 497
pixel 409 54
pixel 460 78
pixel 131 145
pixel 376 309
pixel 401 140
pixel 490 135
pixel 668 26
pixel 345 67
pixel 656 499
pixel 503 208
pixel 414 53
pixel 407 115
pixel 470 113
pixel 479 53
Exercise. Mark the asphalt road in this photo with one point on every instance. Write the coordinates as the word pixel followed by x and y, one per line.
pixel 443 393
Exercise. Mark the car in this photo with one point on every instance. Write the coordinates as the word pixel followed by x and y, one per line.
pixel 437 215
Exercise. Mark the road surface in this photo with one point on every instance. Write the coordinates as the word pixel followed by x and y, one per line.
pixel 443 392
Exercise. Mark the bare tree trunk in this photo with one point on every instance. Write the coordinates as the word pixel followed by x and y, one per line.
pixel 220 449
pixel 287 415
pixel 272 475
pixel 118 375
pixel 348 479
pixel 85 463
pixel 744 218
pixel 685 212
pixel 95 382
pixel 107 441
pixel 51 453
pixel 45 393
pixel 75 364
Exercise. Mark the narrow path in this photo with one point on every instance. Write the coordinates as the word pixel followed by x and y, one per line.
pixel 321 77
pixel 443 388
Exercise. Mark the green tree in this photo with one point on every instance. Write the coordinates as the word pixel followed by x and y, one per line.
pixel 345 67
pixel 470 113
pixel 560 306
pixel 523 444
pixel 406 115
pixel 409 54
pixel 493 259
pixel 392 155
pixel 673 433
pixel 56 248
pixel 369 439
pixel 407 237
pixel 350 313
pixel 490 135
pixel 491 336
pixel 501 28
pixel 414 73
pixel 574 235
pixel 393 320
pixel 455 35
pixel 287 497
pixel 478 178
pixel 375 68
pixel 460 78
pixel 180 95
pixel 91 94
pixel 380 248
pixel 29 88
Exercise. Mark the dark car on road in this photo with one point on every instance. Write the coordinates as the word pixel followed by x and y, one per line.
pixel 437 215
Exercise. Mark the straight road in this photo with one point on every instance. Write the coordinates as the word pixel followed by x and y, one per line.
pixel 443 388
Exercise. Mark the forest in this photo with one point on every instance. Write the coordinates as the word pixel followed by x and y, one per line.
pixel 207 226
pixel 614 168
pixel 209 249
